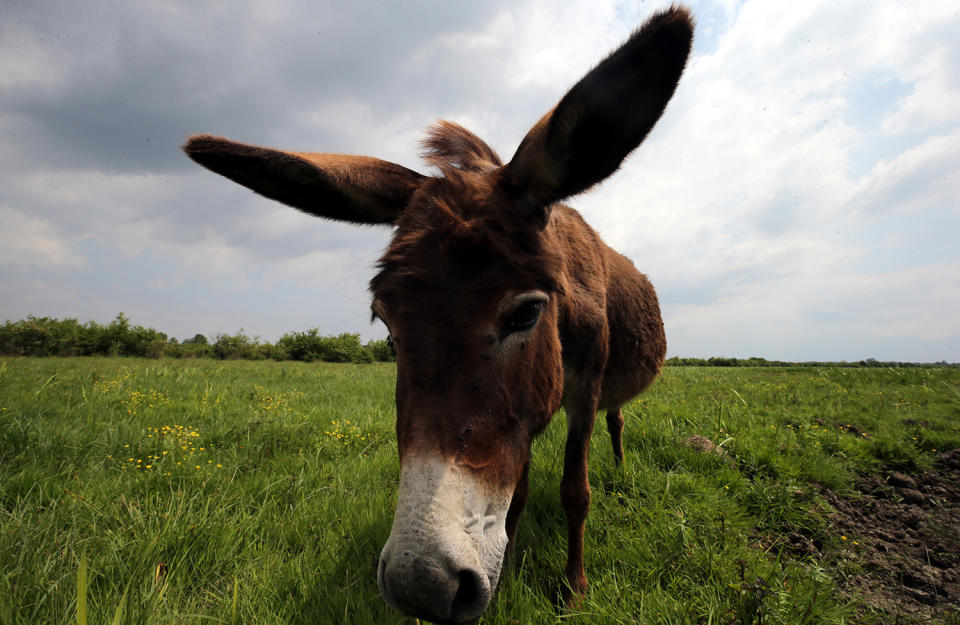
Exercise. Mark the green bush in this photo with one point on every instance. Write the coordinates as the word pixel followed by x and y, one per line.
pixel 236 347
pixel 274 352
pixel 346 348
pixel 304 346
pixel 187 350
pixel 310 346
pixel 41 336
pixel 198 339
pixel 381 351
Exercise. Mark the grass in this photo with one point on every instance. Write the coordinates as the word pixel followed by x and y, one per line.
pixel 155 491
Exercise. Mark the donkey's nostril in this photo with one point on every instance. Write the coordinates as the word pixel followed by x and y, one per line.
pixel 470 594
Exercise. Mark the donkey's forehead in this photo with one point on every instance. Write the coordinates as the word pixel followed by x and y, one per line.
pixel 465 247
pixel 453 199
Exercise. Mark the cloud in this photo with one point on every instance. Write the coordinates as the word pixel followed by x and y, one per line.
pixel 27 242
pixel 859 315
pixel 922 178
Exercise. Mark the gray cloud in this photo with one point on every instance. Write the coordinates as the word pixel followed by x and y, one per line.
pixel 132 79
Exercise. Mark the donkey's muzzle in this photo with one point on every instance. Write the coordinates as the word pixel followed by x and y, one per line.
pixel 433 589
pixel 445 550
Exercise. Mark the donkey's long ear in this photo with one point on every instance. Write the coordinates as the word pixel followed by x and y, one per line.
pixel 357 189
pixel 604 116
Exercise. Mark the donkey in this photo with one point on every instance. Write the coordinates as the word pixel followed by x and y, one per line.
pixel 502 305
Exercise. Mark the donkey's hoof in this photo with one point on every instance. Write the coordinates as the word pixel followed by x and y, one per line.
pixel 571 600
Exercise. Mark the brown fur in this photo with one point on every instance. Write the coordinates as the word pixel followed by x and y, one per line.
pixel 475 243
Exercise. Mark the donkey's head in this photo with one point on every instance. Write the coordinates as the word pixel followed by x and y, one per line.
pixel 471 288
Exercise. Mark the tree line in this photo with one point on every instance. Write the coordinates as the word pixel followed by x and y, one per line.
pixel 45 336
pixel 763 362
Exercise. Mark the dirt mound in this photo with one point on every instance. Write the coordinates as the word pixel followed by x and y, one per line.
pixel 703 444
pixel 903 532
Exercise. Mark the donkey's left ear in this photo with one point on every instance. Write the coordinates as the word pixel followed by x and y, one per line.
pixel 604 116
pixel 357 189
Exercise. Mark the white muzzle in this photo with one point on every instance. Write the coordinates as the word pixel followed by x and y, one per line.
pixel 443 558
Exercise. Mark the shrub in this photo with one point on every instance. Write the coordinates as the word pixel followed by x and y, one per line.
pixel 346 348
pixel 381 351
pixel 304 346
pixel 43 336
pixel 198 339
pixel 274 352
pixel 187 350
pixel 311 345
pixel 238 346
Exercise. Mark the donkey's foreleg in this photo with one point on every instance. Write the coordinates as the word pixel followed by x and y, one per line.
pixel 575 487
pixel 615 425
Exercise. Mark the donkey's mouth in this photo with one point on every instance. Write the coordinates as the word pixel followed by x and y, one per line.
pixel 443 558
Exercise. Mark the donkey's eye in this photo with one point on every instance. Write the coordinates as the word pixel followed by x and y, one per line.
pixel 524 317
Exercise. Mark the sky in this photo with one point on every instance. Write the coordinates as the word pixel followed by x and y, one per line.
pixel 798 200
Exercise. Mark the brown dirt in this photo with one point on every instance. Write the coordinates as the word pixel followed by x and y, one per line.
pixel 903 536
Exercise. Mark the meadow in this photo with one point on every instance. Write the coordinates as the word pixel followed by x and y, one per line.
pixel 201 491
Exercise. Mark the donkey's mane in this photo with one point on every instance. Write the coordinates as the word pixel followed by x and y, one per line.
pixel 451 146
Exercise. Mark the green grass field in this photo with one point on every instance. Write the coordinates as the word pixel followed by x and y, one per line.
pixel 161 491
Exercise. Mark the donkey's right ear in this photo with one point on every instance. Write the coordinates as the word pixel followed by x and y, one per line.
pixel 357 189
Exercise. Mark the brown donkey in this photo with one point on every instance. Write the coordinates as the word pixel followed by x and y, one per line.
pixel 502 305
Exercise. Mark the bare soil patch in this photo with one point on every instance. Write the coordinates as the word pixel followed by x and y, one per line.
pixel 903 532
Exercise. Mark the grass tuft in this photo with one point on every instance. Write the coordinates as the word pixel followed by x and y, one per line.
pixel 82 590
